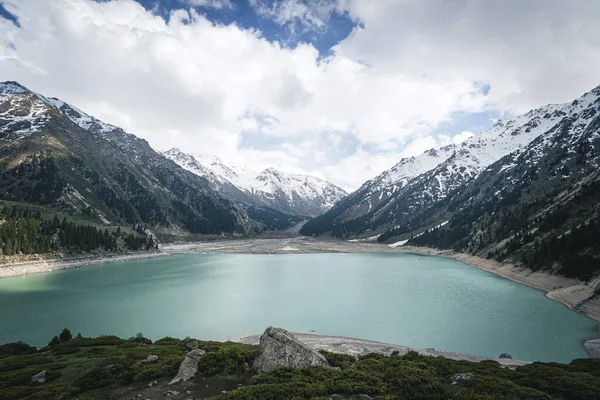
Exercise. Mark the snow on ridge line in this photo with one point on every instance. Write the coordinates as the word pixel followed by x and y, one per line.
pixel 501 139
pixel 268 181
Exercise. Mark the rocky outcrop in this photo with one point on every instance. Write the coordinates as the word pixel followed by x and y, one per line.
pixel 188 367
pixel 151 359
pixel 505 355
pixel 278 348
pixel 593 347
pixel 466 376
pixel 193 345
pixel 39 378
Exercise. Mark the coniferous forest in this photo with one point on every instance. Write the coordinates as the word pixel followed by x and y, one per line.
pixel 26 231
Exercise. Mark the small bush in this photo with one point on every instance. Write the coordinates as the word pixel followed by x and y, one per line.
pixel 169 341
pixel 16 392
pixel 229 358
pixel 342 361
pixel 163 367
pixel 139 338
pixel 107 340
pixel 18 348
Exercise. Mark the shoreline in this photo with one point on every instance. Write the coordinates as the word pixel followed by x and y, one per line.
pixel 360 347
pixel 573 293
pixel 33 267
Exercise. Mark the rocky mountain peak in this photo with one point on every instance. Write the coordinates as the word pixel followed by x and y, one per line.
pixel 294 194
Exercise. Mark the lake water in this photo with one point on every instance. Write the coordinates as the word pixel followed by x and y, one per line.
pixel 406 299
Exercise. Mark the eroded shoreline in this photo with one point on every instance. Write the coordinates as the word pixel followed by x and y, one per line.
pixel 9 270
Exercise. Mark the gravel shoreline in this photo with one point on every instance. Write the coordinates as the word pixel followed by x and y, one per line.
pixel 39 266
pixel 361 347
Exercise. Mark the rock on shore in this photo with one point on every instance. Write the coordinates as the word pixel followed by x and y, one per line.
pixel 279 348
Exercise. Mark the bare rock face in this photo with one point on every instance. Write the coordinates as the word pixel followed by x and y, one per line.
pixel 39 378
pixel 593 347
pixel 189 366
pixel 465 376
pixel 151 359
pixel 193 345
pixel 280 348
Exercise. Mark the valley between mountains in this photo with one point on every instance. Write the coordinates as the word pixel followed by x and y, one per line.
pixel 524 194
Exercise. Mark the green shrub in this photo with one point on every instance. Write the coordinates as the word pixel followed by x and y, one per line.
pixel 107 340
pixel 229 359
pixel 16 392
pixel 54 391
pixel 139 338
pixel 64 350
pixel 18 348
pixel 342 361
pixel 163 367
pixel 169 341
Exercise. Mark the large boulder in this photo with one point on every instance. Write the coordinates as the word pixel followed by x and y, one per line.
pixel 189 366
pixel 278 348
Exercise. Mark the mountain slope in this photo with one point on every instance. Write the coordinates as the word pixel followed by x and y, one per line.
pixel 51 153
pixel 294 194
pixel 538 207
pixel 376 209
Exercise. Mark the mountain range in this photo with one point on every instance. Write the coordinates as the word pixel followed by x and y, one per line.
pixel 54 155
pixel 526 190
pixel 294 194
pixel 514 191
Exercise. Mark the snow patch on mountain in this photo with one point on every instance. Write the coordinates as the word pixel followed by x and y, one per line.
pixel 300 194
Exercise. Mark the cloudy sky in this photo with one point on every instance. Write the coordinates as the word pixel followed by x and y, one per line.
pixel 341 89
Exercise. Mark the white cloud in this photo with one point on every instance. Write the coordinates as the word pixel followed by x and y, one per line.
pixel 461 137
pixel 380 95
pixel 310 14
pixel 530 52
pixel 216 4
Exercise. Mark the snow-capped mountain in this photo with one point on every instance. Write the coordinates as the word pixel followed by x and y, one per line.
pixel 417 183
pixel 56 155
pixel 290 193
pixel 537 207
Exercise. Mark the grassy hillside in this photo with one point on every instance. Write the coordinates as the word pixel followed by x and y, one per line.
pixel 108 368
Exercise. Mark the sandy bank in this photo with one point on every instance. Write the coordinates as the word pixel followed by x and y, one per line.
pixel 359 347
pixel 39 266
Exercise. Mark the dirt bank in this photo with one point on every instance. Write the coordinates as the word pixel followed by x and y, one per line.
pixel 42 265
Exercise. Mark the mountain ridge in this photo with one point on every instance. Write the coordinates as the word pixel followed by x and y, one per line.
pixel 382 204
pixel 54 154
pixel 297 194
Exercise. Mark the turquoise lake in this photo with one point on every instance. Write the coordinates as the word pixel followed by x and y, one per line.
pixel 405 299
